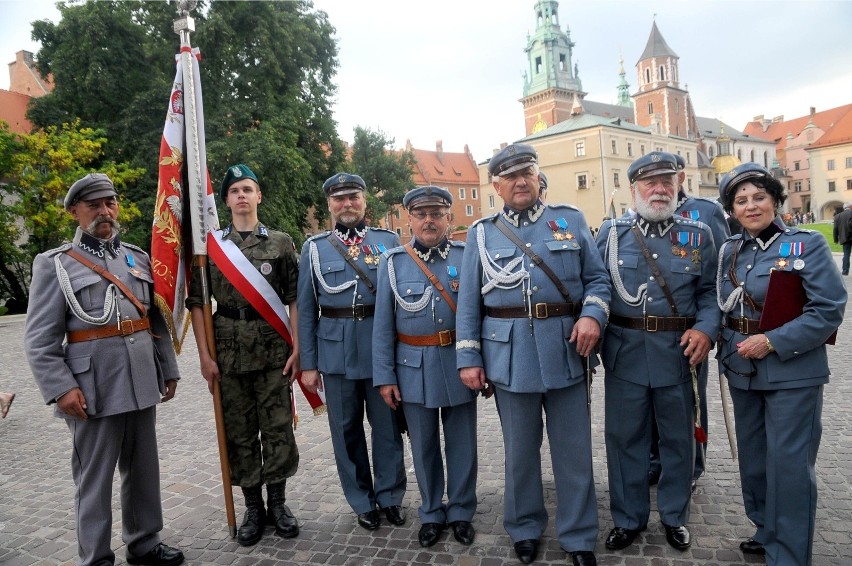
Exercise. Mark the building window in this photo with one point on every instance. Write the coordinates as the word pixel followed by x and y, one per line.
pixel 832 186
pixel 849 162
pixel 629 149
pixel 650 108
pixel 461 193
pixel 689 184
pixel 473 194
pixel 739 154
pixel 752 156
pixel 677 106
pixel 562 62
pixel 765 159
pixel 581 182
pixel 537 65
pixel 490 201
pixel 614 148
pixel 399 232
pixel 468 210
pixel 396 213
pixel 796 165
pixel 797 186
pixel 662 73
pixel 849 184
pixel 830 164
pixel 615 179
pixel 580 149
pixel 647 75
pixel 712 151
pixel 688 157
pixel 642 149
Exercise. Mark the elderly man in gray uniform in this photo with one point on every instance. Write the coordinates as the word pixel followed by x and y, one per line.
pixel 533 302
pixel 709 212
pixel 415 363
pixel 336 302
pixel 100 351
pixel 663 320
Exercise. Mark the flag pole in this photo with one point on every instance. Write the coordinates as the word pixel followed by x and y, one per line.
pixel 197 190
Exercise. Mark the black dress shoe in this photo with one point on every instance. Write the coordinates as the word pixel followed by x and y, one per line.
pixel 751 546
pixel 463 532
pixel 429 533
pixel 527 550
pixel 394 514
pixel 160 555
pixel 370 520
pixel 677 537
pixel 620 537
pixel 583 558
pixel 653 476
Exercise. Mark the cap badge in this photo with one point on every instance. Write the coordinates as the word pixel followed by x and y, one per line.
pixel 341 179
pixel 511 150
pixel 655 157
pixel 236 171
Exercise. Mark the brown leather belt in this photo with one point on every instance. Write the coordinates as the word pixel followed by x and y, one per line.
pixel 356 311
pixel 442 338
pixel 743 325
pixel 539 310
pixel 126 328
pixel 653 323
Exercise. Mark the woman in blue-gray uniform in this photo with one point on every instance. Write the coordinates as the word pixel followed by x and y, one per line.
pixel 414 361
pixel 776 376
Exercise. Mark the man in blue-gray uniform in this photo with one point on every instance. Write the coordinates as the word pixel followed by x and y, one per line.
pixel 709 212
pixel 336 303
pixel 99 350
pixel 414 363
pixel 532 305
pixel 662 322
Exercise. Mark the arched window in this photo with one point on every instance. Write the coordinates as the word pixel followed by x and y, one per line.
pixel 662 73
pixel 647 75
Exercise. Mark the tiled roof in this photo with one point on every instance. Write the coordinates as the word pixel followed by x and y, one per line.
pixel 838 134
pixel 434 167
pixel 778 131
pixel 657 46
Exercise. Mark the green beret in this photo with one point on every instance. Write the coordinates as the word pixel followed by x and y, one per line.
pixel 236 173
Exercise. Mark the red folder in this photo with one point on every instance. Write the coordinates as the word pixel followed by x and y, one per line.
pixel 785 300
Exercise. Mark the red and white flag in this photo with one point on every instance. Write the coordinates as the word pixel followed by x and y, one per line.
pixel 169 254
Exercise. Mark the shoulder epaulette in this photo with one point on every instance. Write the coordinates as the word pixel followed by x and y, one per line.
pixel 457 243
pixel 565 205
pixel 63 248
pixel 318 236
pixel 394 251
pixel 797 230
pixel 623 221
pixel 484 218
pixel 134 247
pixel 737 236
pixel 377 229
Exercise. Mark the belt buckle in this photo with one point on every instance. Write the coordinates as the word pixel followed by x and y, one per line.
pixel 358 312
pixel 126 327
pixel 445 337
pixel 656 321
pixel 541 310
pixel 744 325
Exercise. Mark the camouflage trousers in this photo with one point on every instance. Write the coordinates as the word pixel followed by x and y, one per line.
pixel 259 427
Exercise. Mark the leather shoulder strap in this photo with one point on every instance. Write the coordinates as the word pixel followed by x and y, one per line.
pixel 732 274
pixel 431 276
pixel 342 251
pixel 655 270
pixel 109 277
pixel 536 259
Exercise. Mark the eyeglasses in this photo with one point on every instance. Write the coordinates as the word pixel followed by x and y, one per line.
pixel 751 373
pixel 422 214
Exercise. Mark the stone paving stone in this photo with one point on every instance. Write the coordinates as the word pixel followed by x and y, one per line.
pixel 36 489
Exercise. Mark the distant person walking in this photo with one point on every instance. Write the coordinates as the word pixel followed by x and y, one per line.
pixel 843 234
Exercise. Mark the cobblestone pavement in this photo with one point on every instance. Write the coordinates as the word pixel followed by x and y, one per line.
pixel 36 490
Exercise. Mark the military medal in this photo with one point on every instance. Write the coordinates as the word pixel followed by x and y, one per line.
pixel 372 253
pixel 679 241
pixel 691 214
pixel 131 262
pixel 785 250
pixel 799 264
pixel 560 229
pixel 354 251
pixel 454 277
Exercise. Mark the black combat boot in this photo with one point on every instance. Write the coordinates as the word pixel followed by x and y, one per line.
pixel 279 514
pixel 254 520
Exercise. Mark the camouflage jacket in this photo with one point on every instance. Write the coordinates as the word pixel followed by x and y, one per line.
pixel 244 346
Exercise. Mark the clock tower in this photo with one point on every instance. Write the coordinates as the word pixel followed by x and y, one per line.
pixel 552 88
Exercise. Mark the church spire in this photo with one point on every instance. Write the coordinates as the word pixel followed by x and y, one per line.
pixel 624 98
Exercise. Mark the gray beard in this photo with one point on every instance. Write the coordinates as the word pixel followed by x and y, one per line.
pixel 646 211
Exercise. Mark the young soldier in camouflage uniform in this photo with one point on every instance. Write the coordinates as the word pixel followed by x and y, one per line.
pixel 256 393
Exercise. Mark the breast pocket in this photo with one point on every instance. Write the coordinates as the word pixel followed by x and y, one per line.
pixel 502 256
pixel 409 373
pixel 333 271
pixel 84 375
pixel 569 253
pixel 684 272
pixel 266 262
pixel 140 284
pixel 410 292
pixel 628 266
pixel 90 290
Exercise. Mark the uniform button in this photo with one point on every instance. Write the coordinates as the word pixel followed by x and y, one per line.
pixel 748 267
pixel 651 278
pixel 496 256
pixel 655 256
pixel 650 299
pixel 564 246
pixel 535 288
pixel 133 340
pixel 440 321
pixel 404 360
pixel 686 268
pixel 754 248
pixel 529 245
pixel 408 291
pixel 359 296
pixel 493 335
pixel 621 262
pixel 576 245
pixel 431 261
pixel 653 235
pixel 532 265
pixel 437 299
pixel 357 277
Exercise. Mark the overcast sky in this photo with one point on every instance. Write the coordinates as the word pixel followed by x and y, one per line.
pixel 451 70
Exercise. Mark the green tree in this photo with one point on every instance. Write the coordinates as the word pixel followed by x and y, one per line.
pixel 388 173
pixel 33 218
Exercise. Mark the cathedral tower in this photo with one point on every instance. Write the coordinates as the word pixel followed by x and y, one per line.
pixel 661 103
pixel 552 88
